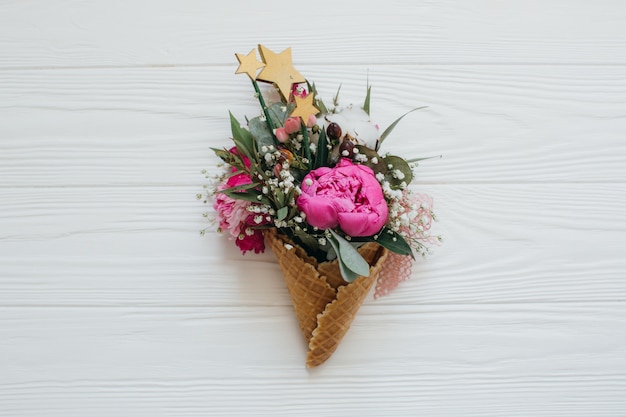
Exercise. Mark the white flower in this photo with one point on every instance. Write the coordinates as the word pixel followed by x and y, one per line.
pixel 355 122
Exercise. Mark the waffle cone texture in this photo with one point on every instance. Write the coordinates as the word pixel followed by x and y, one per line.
pixel 324 303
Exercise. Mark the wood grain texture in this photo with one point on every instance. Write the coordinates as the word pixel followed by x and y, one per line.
pixel 155 126
pixel 112 304
pixel 141 246
pixel 191 32
pixel 480 360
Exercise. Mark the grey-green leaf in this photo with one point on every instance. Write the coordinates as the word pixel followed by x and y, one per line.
pixel 281 214
pixel 261 132
pixel 349 256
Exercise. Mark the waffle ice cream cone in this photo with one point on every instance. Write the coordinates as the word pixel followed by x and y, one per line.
pixel 324 303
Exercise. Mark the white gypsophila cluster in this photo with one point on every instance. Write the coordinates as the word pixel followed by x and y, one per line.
pixel 284 184
pixel 412 219
pixel 263 213
pixel 297 142
pixel 270 155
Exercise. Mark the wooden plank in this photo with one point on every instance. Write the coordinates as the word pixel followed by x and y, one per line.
pixel 488 360
pixel 74 33
pixel 155 126
pixel 514 243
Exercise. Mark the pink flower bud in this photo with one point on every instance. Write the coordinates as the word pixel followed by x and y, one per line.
pixel 312 121
pixel 292 125
pixel 277 169
pixel 281 135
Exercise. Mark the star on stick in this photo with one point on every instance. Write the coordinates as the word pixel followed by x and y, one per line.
pixel 304 108
pixel 279 70
pixel 248 64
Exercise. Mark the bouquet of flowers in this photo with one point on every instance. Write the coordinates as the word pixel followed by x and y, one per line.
pixel 309 180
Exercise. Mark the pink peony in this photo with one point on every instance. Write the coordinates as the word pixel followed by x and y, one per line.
pixel 231 213
pixel 348 196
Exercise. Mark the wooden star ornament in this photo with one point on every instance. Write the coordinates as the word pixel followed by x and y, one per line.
pixel 304 108
pixel 279 70
pixel 248 64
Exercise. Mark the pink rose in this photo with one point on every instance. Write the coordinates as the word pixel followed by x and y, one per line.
pixel 348 196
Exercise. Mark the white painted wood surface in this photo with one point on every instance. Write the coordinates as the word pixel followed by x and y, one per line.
pixel 111 304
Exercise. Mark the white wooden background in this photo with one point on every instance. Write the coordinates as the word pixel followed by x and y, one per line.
pixel 112 304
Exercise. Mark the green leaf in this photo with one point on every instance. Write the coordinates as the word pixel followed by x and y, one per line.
pixel 321 154
pixel 243 139
pixel 393 125
pixel 392 241
pixel 223 154
pixel 282 213
pixel 366 104
pixel 247 195
pixel 336 98
pixel 401 165
pixel 351 263
pixel 318 101
pixel 242 187
pixel 424 158
pixel 372 155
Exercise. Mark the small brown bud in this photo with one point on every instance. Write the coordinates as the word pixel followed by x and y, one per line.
pixel 346 149
pixel 333 131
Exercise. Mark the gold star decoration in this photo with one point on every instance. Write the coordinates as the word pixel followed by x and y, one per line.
pixel 248 64
pixel 304 108
pixel 279 70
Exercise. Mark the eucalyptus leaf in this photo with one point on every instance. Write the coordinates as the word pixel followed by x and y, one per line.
pixel 393 125
pixel 261 132
pixel 347 274
pixel 279 112
pixel 281 214
pixel 349 256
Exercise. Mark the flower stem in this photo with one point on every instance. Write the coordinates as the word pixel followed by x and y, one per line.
pixel 268 120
